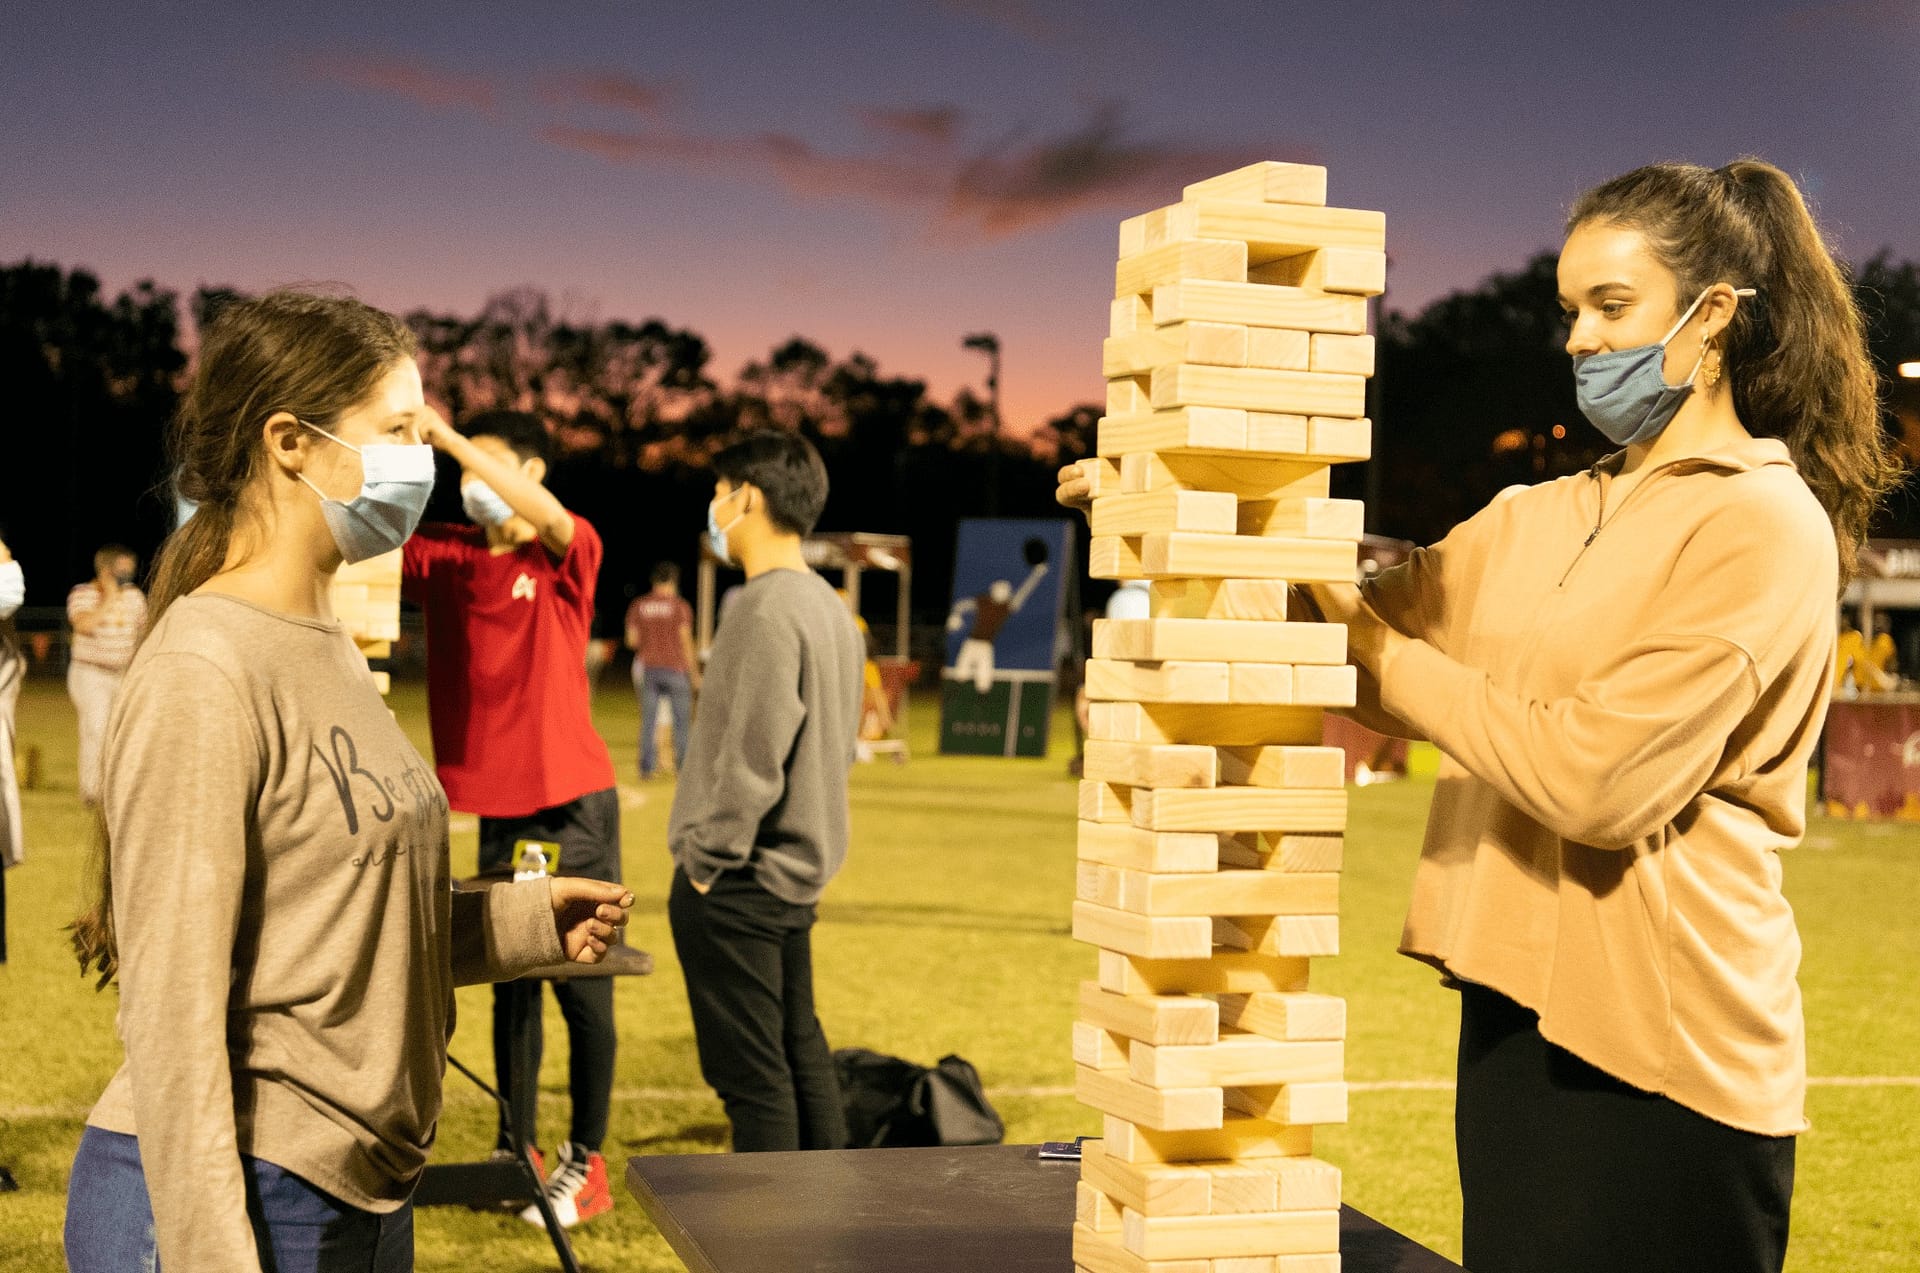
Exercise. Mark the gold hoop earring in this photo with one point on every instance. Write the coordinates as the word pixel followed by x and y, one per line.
pixel 1711 370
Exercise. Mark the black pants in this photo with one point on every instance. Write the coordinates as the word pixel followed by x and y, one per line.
pixel 1565 1168
pixel 748 961
pixel 588 832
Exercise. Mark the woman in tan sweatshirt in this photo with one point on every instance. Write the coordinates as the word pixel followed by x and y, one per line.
pixel 280 913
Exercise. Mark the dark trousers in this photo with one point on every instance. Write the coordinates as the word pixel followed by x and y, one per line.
pixel 748 960
pixel 588 832
pixel 1565 1168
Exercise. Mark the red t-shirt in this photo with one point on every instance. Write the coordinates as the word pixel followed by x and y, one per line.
pixel 659 621
pixel 507 687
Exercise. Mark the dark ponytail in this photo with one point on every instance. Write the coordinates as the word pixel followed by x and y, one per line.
pixel 1795 355
pixel 314 356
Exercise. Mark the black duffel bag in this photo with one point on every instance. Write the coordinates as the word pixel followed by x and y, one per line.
pixel 892 1102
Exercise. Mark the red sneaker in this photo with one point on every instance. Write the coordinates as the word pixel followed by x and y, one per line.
pixel 577 1190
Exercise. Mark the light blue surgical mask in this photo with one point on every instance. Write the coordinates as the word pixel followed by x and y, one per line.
pixel 395 483
pixel 13 588
pixel 1625 393
pixel 484 504
pixel 716 533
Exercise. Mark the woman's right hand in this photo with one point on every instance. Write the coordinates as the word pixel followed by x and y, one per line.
pixel 1076 488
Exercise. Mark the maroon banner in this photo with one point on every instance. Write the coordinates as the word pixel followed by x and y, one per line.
pixel 1873 759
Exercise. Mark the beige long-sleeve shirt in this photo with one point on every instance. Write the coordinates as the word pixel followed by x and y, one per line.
pixel 1627 719
pixel 289 938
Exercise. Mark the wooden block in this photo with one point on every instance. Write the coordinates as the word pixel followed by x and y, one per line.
pixel 1129 314
pixel 1184 555
pixel 374 649
pixel 1094 1209
pixel 1223 972
pixel 1151 1018
pixel 1224 725
pixel 1257 389
pixel 383 682
pixel 1104 802
pixel 1237 1140
pixel 1246 1264
pixel 1150 765
pixel 1129 847
pixel 1352 271
pixel 1128 396
pixel 1213 512
pixel 1276 433
pixel 1240 1188
pixel 1321 686
pixel 1264 182
pixel 1258 305
pixel 1133 235
pixel 1282 767
pixel 1318 1102
pixel 1149 937
pixel 1219 599
pixel 1103 477
pixel 1295 1018
pixel 1170 682
pixel 1339 440
pixel 1246 477
pixel 1320 1262
pixel 1305 1184
pixel 1193 1237
pixel 1221 893
pixel 1216 344
pixel 1341 355
pixel 386 568
pixel 1282 350
pixel 1271 231
pixel 1218 640
pixel 1154 1189
pixel 1098 1049
pixel 1294 936
pixel 1241 809
pixel 1141 272
pixel 1301 518
pixel 1168 1109
pixel 1237 1060
pixel 1285 852
pixel 1260 683
pixel 1096 1252
pixel 1114 557
pixel 1189 429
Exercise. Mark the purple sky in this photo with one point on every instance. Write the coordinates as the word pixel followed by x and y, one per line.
pixel 891 176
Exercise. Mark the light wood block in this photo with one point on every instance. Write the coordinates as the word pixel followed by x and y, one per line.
pixel 1141 272
pixel 1154 1189
pixel 1249 599
pixel 1237 1140
pixel 1260 683
pixel 1318 1102
pixel 1186 429
pixel 1352 271
pixel 1305 1184
pixel 1150 765
pixel 1218 344
pixel 1301 518
pixel 1133 235
pixel 383 682
pixel 1276 433
pixel 1339 440
pixel 1149 937
pixel 1103 477
pixel 1281 767
pixel 1286 852
pixel 1130 848
pixel 1218 640
pixel 1094 1209
pixel 1258 305
pixel 1170 682
pixel 1245 1264
pixel 1280 349
pixel 1129 314
pixel 1240 1188
pixel 1128 396
pixel 1194 1237
pixel 372 649
pixel 1104 802
pixel 1151 1018
pixel 1321 1262
pixel 1212 512
pixel 1241 808
pixel 1220 893
pixel 1341 355
pixel 1247 477
pixel 1168 1109
pixel 1295 936
pixel 1295 1018
pixel 1266 182
pixel 1271 231
pixel 1098 1049
pixel 1319 686
pixel 1224 972
pixel 1218 725
pixel 1184 555
pixel 1257 389
pixel 1114 557
pixel 1096 1252
pixel 1237 1060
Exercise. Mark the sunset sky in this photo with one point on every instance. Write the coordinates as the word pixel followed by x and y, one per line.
pixel 891 176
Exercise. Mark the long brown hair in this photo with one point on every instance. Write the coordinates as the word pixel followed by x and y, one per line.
pixel 1795 355
pixel 314 356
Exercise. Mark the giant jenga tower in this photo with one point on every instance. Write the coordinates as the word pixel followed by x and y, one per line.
pixel 1211 819
pixel 366 600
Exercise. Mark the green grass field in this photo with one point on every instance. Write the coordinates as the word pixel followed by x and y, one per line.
pixel 948 933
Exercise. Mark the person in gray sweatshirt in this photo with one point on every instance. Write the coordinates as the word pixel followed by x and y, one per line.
pixel 759 823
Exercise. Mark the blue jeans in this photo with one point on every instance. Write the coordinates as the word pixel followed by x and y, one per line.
pixel 650 683
pixel 298 1228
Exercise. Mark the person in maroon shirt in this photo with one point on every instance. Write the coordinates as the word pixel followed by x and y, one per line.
pixel 660 634
pixel 509 604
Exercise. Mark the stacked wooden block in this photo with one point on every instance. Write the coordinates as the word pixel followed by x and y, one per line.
pixel 1211 820
pixel 366 599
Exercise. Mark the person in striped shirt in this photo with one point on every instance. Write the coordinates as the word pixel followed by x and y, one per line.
pixel 106 614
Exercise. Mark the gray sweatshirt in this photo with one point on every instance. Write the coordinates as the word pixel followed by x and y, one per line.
pixel 765 783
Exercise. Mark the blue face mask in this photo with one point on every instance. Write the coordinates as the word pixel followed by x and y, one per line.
pixel 395 482
pixel 484 504
pixel 1625 393
pixel 716 533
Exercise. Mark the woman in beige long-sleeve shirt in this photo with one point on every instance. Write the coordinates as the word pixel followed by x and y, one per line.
pixel 280 913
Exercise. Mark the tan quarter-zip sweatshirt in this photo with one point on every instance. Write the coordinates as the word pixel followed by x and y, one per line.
pixel 1627 716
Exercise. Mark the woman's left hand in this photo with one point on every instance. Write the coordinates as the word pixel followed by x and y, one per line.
pixel 588 913
pixel 1369 640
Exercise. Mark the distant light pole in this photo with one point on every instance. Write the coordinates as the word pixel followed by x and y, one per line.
pixel 989 344
pixel 1910 370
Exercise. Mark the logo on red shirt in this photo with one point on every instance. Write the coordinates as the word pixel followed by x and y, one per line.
pixel 523 587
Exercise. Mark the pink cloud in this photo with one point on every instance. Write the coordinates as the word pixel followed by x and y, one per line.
pixel 925 125
pixel 405 77
pixel 611 89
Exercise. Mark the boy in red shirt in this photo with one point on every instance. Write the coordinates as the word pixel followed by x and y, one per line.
pixel 509 606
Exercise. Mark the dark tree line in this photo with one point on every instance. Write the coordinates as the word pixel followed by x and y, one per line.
pixel 1473 394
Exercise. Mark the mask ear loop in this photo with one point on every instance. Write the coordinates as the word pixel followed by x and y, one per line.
pixel 1705 342
pixel 351 447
